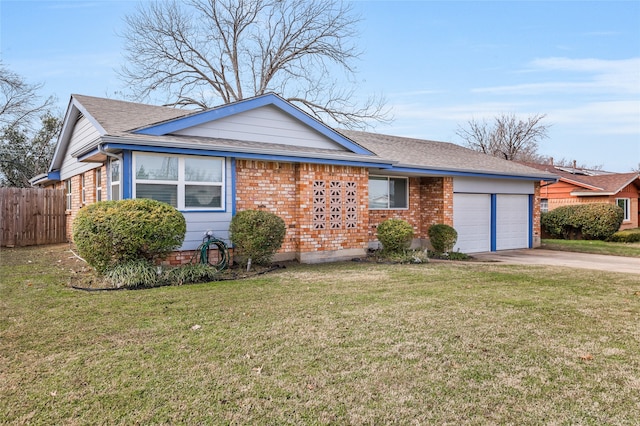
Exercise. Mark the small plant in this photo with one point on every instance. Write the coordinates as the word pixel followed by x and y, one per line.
pixel 442 237
pixel 134 273
pixel 395 235
pixel 191 273
pixel 256 235
pixel 109 233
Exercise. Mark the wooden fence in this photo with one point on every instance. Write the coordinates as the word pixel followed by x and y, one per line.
pixel 32 216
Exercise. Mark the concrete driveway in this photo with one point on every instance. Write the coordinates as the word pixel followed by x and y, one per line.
pixel 562 258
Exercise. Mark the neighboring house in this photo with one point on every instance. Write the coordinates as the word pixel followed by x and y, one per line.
pixel 332 188
pixel 578 185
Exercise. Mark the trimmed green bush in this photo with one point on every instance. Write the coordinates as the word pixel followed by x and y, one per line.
pixel 256 236
pixel 442 237
pixel 593 221
pixel 108 233
pixel 395 235
pixel 626 236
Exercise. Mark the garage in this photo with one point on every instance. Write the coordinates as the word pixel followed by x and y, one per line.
pixel 512 221
pixel 472 221
pixel 490 215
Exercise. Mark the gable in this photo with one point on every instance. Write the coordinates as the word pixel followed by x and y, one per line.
pixel 266 124
pixel 83 133
pixel 268 104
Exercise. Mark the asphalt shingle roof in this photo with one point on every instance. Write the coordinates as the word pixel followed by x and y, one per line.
pixel 121 118
pixel 426 154
pixel 117 117
pixel 610 182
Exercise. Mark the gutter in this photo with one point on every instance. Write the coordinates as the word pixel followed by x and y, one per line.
pixel 120 159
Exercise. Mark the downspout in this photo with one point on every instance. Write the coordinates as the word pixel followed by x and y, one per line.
pixel 120 159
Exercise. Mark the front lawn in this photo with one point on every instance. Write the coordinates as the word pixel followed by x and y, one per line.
pixel 347 343
pixel 594 246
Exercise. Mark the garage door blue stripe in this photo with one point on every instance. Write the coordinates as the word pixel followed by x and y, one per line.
pixel 530 220
pixel 494 222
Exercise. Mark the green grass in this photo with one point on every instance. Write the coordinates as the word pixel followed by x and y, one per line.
pixel 594 246
pixel 347 343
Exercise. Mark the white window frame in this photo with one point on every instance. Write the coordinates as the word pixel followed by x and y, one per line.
pixel 544 205
pixel 181 182
pixel 98 183
pixel 406 180
pixel 626 207
pixel 68 193
pixel 116 183
pixel 83 190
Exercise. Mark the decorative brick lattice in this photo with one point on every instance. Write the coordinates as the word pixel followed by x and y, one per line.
pixel 335 205
pixel 350 205
pixel 319 205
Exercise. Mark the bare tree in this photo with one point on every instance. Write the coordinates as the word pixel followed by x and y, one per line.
pixel 20 103
pixel 201 52
pixel 509 137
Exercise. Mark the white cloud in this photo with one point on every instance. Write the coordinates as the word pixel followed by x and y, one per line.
pixel 582 76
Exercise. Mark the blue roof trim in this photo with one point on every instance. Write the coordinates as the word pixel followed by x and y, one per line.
pixel 248 105
pixel 54 175
pixel 221 153
pixel 439 172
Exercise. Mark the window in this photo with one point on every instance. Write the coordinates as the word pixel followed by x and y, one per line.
pixel 625 205
pixel 67 184
pixel 188 182
pixel 388 192
pixel 98 181
pixel 115 180
pixel 83 191
pixel 544 205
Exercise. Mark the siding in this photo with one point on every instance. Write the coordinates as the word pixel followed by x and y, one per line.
pixel 267 124
pixel 218 222
pixel 83 134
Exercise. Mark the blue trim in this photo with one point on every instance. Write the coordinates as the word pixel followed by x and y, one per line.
pixel 494 221
pixel 126 179
pixel 248 105
pixel 55 175
pixel 233 187
pixel 439 172
pixel 531 220
pixel 264 157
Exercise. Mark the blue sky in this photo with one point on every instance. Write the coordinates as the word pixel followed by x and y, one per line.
pixel 438 64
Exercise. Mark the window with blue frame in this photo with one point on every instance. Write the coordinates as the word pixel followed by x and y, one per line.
pixel 185 182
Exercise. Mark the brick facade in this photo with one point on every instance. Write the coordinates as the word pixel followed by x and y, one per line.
pixel 77 190
pixel 325 207
pixel 430 202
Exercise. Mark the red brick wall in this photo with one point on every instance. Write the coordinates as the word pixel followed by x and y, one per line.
pixel 430 202
pixel 288 190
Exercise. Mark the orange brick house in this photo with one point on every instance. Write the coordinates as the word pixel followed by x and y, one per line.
pixel 579 185
pixel 332 188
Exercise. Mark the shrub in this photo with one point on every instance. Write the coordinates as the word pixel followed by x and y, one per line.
pixel 442 237
pixel 593 221
pixel 626 236
pixel 257 235
pixel 395 235
pixel 111 232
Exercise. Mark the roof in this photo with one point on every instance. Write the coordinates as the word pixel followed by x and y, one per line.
pixel 597 184
pixel 420 154
pixel 118 117
pixel 134 126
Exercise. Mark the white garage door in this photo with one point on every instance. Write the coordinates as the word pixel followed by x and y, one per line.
pixel 512 222
pixel 472 221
